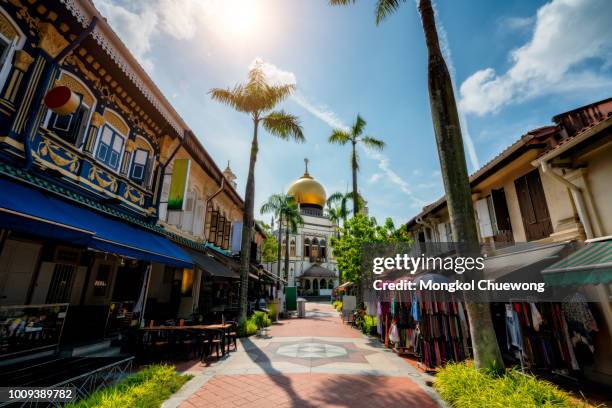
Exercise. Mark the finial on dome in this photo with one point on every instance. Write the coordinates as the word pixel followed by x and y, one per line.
pixel 306 165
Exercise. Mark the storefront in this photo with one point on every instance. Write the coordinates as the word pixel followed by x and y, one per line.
pixel 87 261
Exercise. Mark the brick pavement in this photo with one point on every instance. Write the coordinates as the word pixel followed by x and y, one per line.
pixel 313 362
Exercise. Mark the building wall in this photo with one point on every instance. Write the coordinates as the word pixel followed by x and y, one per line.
pixel 205 187
pixel 596 180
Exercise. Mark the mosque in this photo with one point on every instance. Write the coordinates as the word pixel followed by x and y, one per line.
pixel 312 267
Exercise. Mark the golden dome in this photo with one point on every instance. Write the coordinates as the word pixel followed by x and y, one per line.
pixel 307 190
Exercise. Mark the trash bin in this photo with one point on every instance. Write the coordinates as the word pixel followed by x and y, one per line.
pixel 301 307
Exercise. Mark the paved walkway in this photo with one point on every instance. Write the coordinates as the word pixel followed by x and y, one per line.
pixel 313 362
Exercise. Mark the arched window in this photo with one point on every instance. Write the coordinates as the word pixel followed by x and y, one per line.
pixel 307 248
pixel 292 247
pixel 315 285
pixel 72 128
pixel 330 284
pixel 11 40
pixel 139 165
pixel 323 284
pixel 283 246
pixel 323 249
pixel 307 284
pixel 110 147
pixel 314 250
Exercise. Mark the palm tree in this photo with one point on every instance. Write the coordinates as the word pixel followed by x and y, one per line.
pixel 275 205
pixel 453 168
pixel 257 98
pixel 355 136
pixel 341 201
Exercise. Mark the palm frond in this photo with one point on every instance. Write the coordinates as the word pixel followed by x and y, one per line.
pixel 384 8
pixel 236 97
pixel 274 204
pixel 335 198
pixel 284 125
pixel 278 93
pixel 341 2
pixel 370 142
pixel 357 128
pixel 339 136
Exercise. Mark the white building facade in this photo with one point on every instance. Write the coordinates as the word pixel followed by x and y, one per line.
pixel 312 267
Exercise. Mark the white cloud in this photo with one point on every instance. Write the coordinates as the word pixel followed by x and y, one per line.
pixel 374 178
pixel 328 116
pixel 567 34
pixel 135 28
pixel 517 23
pixel 274 74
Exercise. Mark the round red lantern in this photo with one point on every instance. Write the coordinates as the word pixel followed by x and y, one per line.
pixel 62 100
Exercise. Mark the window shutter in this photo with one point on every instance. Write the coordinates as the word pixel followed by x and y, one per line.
pixel 163 200
pixel 226 235
pixel 484 218
pixel 236 236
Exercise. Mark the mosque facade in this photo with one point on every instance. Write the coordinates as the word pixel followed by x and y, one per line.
pixel 312 267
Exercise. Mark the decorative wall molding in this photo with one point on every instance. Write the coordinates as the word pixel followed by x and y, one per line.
pixel 78 11
pixel 51 41
pixel 23 60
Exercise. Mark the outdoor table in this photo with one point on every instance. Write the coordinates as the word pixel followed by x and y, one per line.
pixel 219 326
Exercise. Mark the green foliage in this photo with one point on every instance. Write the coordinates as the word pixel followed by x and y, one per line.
pixel 261 319
pixel 270 249
pixel 149 387
pixel 250 326
pixel 462 386
pixel 246 328
pixel 368 324
pixel 272 310
pixel 360 230
pixel 337 305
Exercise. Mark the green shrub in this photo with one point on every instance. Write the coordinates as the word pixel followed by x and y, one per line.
pixel 463 386
pixel 148 388
pixel 261 319
pixel 247 328
pixel 272 310
pixel 337 305
pixel 368 324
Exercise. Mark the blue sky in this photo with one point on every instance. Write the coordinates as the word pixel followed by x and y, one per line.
pixel 515 64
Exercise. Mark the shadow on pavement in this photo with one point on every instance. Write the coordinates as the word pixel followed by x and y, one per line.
pixel 262 360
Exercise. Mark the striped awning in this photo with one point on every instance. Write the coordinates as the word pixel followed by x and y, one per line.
pixel 591 265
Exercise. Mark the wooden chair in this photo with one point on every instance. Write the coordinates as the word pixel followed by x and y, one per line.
pixel 186 343
pixel 211 339
pixel 231 335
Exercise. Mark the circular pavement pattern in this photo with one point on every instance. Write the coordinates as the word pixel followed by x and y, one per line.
pixel 311 350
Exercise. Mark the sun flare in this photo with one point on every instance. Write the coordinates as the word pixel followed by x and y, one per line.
pixel 239 17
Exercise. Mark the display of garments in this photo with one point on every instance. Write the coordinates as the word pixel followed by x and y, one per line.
pixel 513 328
pixel 536 317
pixel 576 309
pixel 393 334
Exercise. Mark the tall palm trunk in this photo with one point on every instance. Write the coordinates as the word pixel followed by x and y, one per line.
pixel 456 182
pixel 355 192
pixel 247 226
pixel 287 251
pixel 278 255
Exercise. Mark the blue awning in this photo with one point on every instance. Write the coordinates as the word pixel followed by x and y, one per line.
pixel 32 211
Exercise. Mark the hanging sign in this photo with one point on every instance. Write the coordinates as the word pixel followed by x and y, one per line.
pixel 178 184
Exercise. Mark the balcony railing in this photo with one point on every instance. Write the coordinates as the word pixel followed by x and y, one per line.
pixel 51 152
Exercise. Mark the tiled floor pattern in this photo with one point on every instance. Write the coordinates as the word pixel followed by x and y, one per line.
pixel 313 362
